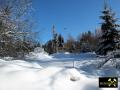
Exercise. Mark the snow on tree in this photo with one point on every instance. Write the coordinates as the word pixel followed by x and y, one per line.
pixel 109 38
pixel 15 27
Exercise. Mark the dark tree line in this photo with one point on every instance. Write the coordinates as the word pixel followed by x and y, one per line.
pixel 85 43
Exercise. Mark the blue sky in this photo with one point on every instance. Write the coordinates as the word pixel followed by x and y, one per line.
pixel 76 16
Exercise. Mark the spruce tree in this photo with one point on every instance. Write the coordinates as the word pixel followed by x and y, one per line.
pixel 109 38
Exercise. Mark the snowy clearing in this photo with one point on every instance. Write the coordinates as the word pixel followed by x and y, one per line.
pixel 43 72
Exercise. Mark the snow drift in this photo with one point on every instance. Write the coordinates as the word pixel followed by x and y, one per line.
pixel 38 54
pixel 43 72
pixel 21 75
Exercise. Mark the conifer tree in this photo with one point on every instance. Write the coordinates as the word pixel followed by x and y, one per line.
pixel 60 41
pixel 109 38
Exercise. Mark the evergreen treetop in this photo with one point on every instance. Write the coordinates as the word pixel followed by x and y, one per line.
pixel 110 34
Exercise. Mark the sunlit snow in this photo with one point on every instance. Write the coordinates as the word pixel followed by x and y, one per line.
pixel 40 71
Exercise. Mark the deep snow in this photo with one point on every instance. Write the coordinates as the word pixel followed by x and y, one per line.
pixel 55 72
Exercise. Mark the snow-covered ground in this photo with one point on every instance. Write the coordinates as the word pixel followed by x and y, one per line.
pixel 61 71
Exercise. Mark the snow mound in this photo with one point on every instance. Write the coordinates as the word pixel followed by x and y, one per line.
pixel 67 53
pixel 38 54
pixel 50 78
pixel 38 50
